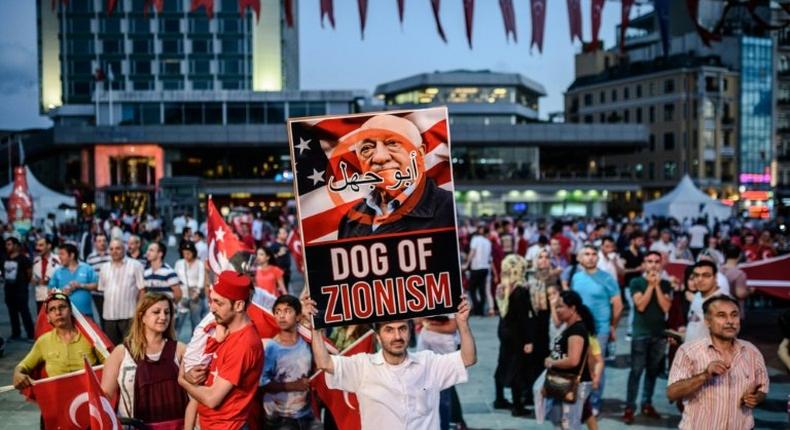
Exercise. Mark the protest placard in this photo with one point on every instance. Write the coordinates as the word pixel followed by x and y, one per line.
pixel 375 202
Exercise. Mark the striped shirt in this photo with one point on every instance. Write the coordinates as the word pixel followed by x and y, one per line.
pixel 161 280
pixel 96 260
pixel 717 404
pixel 120 284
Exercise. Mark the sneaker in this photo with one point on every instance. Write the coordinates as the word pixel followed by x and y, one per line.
pixel 650 412
pixel 628 415
pixel 502 404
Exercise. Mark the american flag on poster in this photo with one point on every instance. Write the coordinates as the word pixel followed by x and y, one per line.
pixel 375 202
pixel 316 163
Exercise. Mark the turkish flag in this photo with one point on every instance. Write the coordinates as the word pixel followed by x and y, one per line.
pixel 343 405
pixel 65 402
pixel 263 320
pixel 101 410
pixel 225 250
pixel 294 243
pixel 770 276
pixel 597 13
pixel 575 19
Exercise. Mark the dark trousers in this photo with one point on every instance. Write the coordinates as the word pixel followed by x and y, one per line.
pixel 116 330
pixel 477 289
pixel 647 354
pixel 99 302
pixel 18 309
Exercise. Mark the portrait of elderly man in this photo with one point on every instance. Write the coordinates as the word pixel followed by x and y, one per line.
pixel 391 155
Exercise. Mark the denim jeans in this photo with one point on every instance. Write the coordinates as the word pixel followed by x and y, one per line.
pixel 196 311
pixel 596 397
pixel 445 409
pixel 647 353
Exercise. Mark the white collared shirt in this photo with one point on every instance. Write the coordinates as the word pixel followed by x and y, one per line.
pixel 120 285
pixel 401 397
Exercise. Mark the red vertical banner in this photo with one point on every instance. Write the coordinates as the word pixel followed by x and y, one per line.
pixel 328 10
pixel 362 5
pixel 508 18
pixel 288 10
pixel 469 12
pixel 255 5
pixel 575 19
pixel 111 6
pixel 597 13
pixel 208 5
pixel 159 5
pixel 625 14
pixel 435 6
pixel 401 7
pixel 704 34
pixel 538 23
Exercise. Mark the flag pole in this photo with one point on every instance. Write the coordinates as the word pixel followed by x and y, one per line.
pixel 7 388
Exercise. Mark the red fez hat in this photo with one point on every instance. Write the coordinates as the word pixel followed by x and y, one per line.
pixel 233 285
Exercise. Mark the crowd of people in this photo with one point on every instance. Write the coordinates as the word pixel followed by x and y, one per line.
pixel 560 288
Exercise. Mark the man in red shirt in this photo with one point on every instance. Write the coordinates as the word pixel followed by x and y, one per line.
pixel 233 375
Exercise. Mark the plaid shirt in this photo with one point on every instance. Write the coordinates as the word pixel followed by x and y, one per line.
pixel 717 404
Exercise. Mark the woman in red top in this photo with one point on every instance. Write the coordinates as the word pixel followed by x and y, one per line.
pixel 268 277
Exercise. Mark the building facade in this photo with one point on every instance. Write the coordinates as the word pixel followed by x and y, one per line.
pixel 507 161
pixel 710 109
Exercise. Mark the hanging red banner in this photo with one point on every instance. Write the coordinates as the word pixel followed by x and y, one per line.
pixel 362 6
pixel 538 23
pixel 597 13
pixel 401 7
pixel 469 11
pixel 288 10
pixel 111 6
pixel 255 5
pixel 509 19
pixel 575 19
pixel 704 34
pixel 435 5
pixel 328 10
pixel 625 15
pixel 208 5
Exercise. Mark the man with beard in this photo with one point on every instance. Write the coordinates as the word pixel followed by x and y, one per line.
pixel 232 378
pixel 719 378
pixel 393 386
pixel 404 198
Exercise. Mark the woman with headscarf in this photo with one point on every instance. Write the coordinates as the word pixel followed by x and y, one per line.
pixel 515 336
pixel 538 315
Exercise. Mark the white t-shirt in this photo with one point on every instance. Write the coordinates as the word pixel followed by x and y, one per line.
pixel 665 248
pixel 401 397
pixel 482 248
pixel 697 233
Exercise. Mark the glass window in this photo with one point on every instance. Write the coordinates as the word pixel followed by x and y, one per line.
pixel 237 113
pixel 172 46
pixel 639 115
pixel 231 67
pixel 79 25
pixel 112 46
pixel 231 84
pixel 110 24
pixel 614 94
pixel 669 86
pixel 201 67
pixel 652 143
pixel 173 113
pixel 80 68
pixel 256 113
pixel 626 116
pixel 588 99
pixel 652 114
pixel 201 46
pixel 143 85
pixel 212 113
pixel 140 25
pixel 141 67
pixel 230 6
pixel 142 46
pixel 150 113
pixel 80 6
pixel 81 46
pixel 80 88
pixel 199 24
pixel 626 93
pixel 669 141
pixel 297 109
pixel 669 112
pixel 230 25
pixel 172 6
pixel 170 25
pixel 639 90
pixel 193 113
pixel 231 46
pixel 170 67
pixel 172 85
pixel 275 112
pixel 200 84
pixel 602 97
pixel 670 170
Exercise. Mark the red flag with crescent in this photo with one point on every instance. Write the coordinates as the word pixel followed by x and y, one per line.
pixel 538 23
pixel 294 243
pixel 66 401
pixel 100 408
pixel 343 405
pixel 225 250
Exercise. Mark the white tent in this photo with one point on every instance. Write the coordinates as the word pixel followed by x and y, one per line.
pixel 687 201
pixel 45 200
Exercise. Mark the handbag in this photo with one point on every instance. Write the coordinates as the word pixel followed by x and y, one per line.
pixel 563 385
